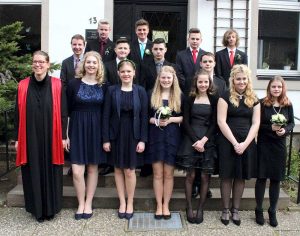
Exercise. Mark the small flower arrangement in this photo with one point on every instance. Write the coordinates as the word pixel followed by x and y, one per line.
pixel 147 51
pixel 238 59
pixel 278 119
pixel 107 51
pixel 162 113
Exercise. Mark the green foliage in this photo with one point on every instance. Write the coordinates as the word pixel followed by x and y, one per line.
pixel 19 65
pixel 295 164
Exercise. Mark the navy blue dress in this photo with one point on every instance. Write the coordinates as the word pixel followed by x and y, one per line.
pixel 85 124
pixel 123 148
pixel 163 143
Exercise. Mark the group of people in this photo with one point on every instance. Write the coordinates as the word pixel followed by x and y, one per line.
pixel 126 106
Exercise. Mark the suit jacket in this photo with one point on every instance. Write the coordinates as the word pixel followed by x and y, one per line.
pixel 223 67
pixel 67 72
pixel 135 55
pixel 112 113
pixel 187 68
pixel 94 45
pixel 149 74
pixel 111 72
pixel 220 85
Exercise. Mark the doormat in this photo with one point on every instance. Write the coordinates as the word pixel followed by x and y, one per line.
pixel 142 221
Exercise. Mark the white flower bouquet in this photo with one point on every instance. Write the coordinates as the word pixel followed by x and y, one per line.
pixel 278 119
pixel 162 113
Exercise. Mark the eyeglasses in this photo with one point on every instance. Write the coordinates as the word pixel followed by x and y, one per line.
pixel 38 62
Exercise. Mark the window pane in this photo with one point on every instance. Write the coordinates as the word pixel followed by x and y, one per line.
pixel 278 33
pixel 30 15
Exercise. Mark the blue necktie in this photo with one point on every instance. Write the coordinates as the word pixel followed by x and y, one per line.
pixel 142 49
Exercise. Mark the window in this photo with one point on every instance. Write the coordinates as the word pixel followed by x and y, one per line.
pixel 278 38
pixel 30 15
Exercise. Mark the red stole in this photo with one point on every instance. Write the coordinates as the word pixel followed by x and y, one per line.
pixel 57 147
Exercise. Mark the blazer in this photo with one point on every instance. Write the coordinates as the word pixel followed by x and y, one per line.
pixel 223 67
pixel 67 72
pixel 112 113
pixel 111 72
pixel 187 68
pixel 149 74
pixel 212 122
pixel 94 45
pixel 220 85
pixel 135 55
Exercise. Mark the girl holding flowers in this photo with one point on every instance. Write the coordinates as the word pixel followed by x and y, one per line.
pixel 164 137
pixel 277 120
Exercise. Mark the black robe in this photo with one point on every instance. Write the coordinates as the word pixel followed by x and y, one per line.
pixel 42 180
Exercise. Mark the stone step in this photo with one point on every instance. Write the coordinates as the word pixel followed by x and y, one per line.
pixel 145 182
pixel 145 200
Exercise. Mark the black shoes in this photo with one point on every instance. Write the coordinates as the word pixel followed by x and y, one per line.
pixel 195 191
pixel 121 215
pixel 199 217
pixel 167 217
pixel 259 216
pixel 190 216
pixel 272 218
pixel 225 216
pixel 87 215
pixel 235 216
pixel 78 216
pixel 158 217
pixel 106 170
pixel 128 216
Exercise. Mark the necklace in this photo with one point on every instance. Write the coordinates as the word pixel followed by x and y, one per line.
pixel 275 109
pixel 240 96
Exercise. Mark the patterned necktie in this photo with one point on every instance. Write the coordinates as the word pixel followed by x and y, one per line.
pixel 231 57
pixel 142 49
pixel 158 67
pixel 194 54
pixel 77 60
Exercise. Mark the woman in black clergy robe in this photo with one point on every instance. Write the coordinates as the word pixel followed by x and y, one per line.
pixel 41 118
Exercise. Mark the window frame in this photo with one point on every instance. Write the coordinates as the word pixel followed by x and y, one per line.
pixel 286 6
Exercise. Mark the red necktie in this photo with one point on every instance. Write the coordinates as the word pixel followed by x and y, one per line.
pixel 194 54
pixel 231 57
pixel 102 48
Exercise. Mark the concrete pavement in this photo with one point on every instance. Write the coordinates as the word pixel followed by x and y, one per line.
pixel 15 221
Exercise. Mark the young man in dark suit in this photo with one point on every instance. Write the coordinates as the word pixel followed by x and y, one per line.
pixel 102 43
pixel 229 56
pixel 69 67
pixel 188 60
pixel 207 63
pixel 151 68
pixel 70 64
pixel 122 49
pixel 141 46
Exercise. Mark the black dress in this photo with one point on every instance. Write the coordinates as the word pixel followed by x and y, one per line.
pixel 42 180
pixel 85 130
pixel 232 165
pixel 199 120
pixel 123 148
pixel 271 147
pixel 163 143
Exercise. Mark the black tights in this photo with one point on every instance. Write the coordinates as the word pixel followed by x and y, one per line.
pixel 190 177
pixel 260 187
pixel 237 188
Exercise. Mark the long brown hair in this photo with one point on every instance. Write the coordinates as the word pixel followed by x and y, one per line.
pixel 174 101
pixel 194 90
pixel 283 100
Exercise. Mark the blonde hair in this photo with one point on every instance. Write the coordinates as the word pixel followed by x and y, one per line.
pixel 250 96
pixel 174 101
pixel 100 71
